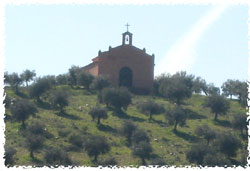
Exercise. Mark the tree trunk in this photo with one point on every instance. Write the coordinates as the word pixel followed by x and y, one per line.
pixel 61 110
pixel 16 88
pixel 129 141
pixel 178 102
pixel 98 120
pixel 31 154
pixel 246 131
pixel 215 116
pixel 150 116
pixel 241 131
pixel 208 142
pixel 175 126
pixel 27 84
pixel 143 161
pixel 205 92
pixel 38 99
pixel 95 158
pixel 23 124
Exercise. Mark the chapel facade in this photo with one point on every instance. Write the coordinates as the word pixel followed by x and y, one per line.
pixel 125 65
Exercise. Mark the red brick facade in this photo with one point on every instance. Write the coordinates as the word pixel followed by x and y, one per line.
pixel 137 62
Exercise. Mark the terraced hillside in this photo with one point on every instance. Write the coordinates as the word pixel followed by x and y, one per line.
pixel 168 146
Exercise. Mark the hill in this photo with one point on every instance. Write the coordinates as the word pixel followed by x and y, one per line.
pixel 171 147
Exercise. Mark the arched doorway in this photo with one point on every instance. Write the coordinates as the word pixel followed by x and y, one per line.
pixel 125 77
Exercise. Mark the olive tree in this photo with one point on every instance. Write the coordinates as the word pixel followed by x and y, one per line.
pixel 196 153
pixel 200 85
pixel 228 88
pixel 35 136
pixel 84 79
pixel 15 81
pixel 34 142
pixel 118 98
pixel 143 150
pixel 55 156
pixel 216 159
pixel 100 83
pixel 227 143
pixel 39 87
pixel 96 145
pixel 73 72
pixel 99 113
pixel 59 98
pixel 151 108
pixel 218 104
pixel 128 128
pixel 176 116
pixel 177 87
pixel 28 76
pixel 22 110
pixel 140 135
pixel 206 132
pixel 240 122
pixel 9 156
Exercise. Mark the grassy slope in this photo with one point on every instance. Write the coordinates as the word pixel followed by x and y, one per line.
pixel 75 122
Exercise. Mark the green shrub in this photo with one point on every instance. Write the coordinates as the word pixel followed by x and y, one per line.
pixel 9 156
pixel 96 145
pixel 56 157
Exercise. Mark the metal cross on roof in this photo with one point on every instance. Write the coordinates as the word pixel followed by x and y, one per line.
pixel 127 26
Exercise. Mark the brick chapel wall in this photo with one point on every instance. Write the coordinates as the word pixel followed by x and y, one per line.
pixel 93 69
pixel 141 64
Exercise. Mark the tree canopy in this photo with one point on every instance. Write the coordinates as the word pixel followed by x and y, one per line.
pixel 177 87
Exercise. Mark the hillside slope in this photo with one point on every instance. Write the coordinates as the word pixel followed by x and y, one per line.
pixel 169 146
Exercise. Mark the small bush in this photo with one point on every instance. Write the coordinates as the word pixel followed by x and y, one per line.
pixel 38 128
pixel 216 159
pixel 110 161
pixel 9 156
pixel 57 157
pixel 143 150
pixel 197 153
pixel 158 161
pixel 63 133
pixel 240 122
pixel 76 140
pixel 139 136
pixel 227 143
